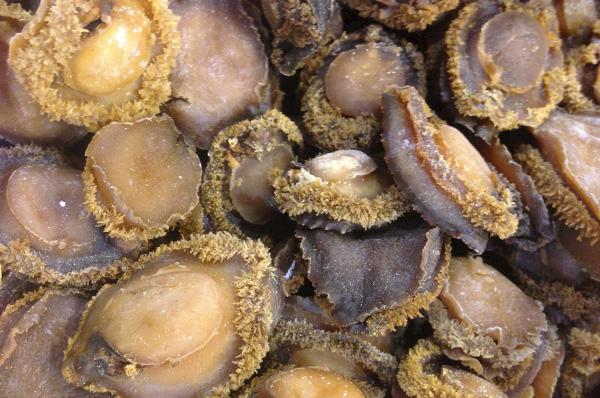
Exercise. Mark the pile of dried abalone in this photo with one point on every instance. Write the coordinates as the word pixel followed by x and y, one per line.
pixel 300 198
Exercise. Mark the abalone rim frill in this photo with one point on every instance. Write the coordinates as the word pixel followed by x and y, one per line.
pixel 578 304
pixel 457 334
pixel 18 256
pixel 254 310
pixel 575 100
pixel 405 15
pixel 487 101
pixel 492 211
pixel 14 11
pixel 582 361
pixel 299 333
pixel 215 184
pixel 113 221
pixel 325 124
pixel 304 29
pixel 299 195
pixel 417 382
pixel 53 36
pixel 567 207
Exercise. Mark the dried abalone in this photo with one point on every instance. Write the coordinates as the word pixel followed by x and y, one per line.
pixel 299 28
pixel 383 279
pixel 46 233
pixel 141 178
pixel 33 335
pixel 505 62
pixel 445 177
pixel 222 73
pixel 21 119
pixel 236 191
pixel 411 15
pixel 565 172
pixel 343 190
pixel 117 71
pixel 194 319
pixel 342 99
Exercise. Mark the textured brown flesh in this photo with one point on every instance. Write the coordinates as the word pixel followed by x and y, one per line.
pixel 468 383
pixel 512 49
pixel 116 54
pixel 299 29
pixel 402 142
pixel 12 288
pixel 463 157
pixel 575 15
pixel 356 79
pixel 499 156
pixel 173 320
pixel 359 276
pixel 587 256
pixel 222 72
pixel 351 172
pixel 145 171
pixel 502 50
pixel 546 380
pixel 571 142
pixel 309 382
pixel 330 360
pixel 21 119
pixel 485 299
pixel 32 350
pixel 250 188
pixel 46 206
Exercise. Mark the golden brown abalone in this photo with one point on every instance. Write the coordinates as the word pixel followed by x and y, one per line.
pixel 565 169
pixel 46 233
pixel 236 191
pixel 505 62
pixel 343 191
pixel 117 71
pixel 343 83
pixel 448 181
pixel 194 319
pixel 141 178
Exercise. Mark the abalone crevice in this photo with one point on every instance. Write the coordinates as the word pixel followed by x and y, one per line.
pixel 410 15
